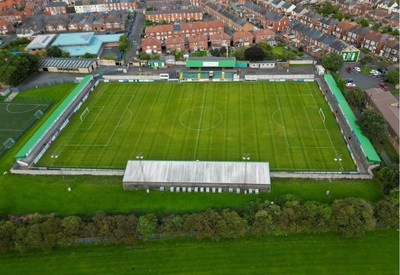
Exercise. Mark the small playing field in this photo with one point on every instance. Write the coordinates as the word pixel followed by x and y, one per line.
pixel 287 124
pixel 16 118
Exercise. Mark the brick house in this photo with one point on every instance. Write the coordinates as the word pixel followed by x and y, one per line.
pixel 264 35
pixel 341 29
pixel 5 27
pixel 198 43
pixel 374 41
pixel 56 8
pixel 175 44
pixel 275 21
pixel 194 14
pixel 229 19
pixel 310 19
pixel 13 16
pixel 356 35
pixel 151 45
pixel 242 39
pixel 326 25
pixel 391 50
pixel 219 40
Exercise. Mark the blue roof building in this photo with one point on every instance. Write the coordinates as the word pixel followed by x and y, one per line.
pixel 77 44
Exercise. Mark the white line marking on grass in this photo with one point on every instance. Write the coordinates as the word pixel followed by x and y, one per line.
pixel 201 121
pixel 25 111
pixel 200 129
pixel 310 147
pixel 125 122
pixel 10 130
pixel 273 118
pixel 329 136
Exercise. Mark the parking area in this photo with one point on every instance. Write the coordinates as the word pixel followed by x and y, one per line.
pixel 364 81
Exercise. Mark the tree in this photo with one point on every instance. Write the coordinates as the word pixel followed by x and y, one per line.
pixel 7 231
pixel 332 62
pixel 353 217
pixel 239 54
pixel 88 55
pixel 389 178
pixel 392 77
pixel 144 56
pixel 215 52
pixel 376 27
pixel 54 51
pixel 172 225
pixel 356 97
pixel 147 225
pixel 382 63
pixel 267 49
pixel 254 54
pixel 71 228
pixel 372 124
pixel 387 213
pixel 263 223
pixel 364 22
pixel 123 43
pixel 366 59
pixel 231 225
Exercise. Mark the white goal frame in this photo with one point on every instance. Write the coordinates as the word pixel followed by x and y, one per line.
pixel 321 113
pixel 84 114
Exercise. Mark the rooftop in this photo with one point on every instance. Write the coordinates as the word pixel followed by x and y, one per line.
pixel 41 42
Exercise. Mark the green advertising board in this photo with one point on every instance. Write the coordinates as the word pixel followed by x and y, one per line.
pixel 350 56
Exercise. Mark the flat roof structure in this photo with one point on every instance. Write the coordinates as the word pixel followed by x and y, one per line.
pixel 66 63
pixel 211 62
pixel 388 105
pixel 41 42
pixel 155 174
pixel 77 44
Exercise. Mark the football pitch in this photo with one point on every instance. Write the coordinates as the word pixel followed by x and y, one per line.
pixel 286 124
pixel 16 118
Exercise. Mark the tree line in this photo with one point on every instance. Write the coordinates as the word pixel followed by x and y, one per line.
pixel 350 217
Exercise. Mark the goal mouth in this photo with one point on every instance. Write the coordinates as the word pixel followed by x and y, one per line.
pixel 84 114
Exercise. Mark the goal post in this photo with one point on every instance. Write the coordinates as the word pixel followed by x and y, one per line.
pixel 9 143
pixel 321 113
pixel 84 114
pixel 38 114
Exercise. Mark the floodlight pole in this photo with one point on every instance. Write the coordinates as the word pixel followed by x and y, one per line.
pixel 246 158
pixel 139 156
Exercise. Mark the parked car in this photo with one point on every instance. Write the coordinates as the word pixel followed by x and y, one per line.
pixel 357 69
pixel 352 85
pixel 349 80
pixel 374 72
pixel 349 69
pixel 383 85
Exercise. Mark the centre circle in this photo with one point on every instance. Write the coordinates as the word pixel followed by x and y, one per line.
pixel 201 118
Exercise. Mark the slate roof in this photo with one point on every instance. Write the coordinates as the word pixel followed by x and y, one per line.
pixel 66 63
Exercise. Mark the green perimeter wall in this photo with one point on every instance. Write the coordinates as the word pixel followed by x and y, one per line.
pixel 221 62
pixel 366 145
pixel 42 131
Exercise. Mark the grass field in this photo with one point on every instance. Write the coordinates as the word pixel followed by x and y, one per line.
pixel 281 123
pixel 374 253
pixel 48 194
pixel 16 118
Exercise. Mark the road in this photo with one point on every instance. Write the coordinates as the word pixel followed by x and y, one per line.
pixel 135 37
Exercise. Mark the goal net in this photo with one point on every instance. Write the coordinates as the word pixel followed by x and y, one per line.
pixel 9 143
pixel 321 113
pixel 38 114
pixel 84 114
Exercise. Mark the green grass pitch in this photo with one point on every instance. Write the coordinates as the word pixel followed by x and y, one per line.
pixel 375 253
pixel 16 117
pixel 280 123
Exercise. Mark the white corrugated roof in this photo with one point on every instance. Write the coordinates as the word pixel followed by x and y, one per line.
pixel 197 172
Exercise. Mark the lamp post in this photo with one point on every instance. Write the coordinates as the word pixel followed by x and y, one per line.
pixel 139 156
pixel 246 158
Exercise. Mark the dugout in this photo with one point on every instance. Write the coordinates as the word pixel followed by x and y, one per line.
pixel 197 174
